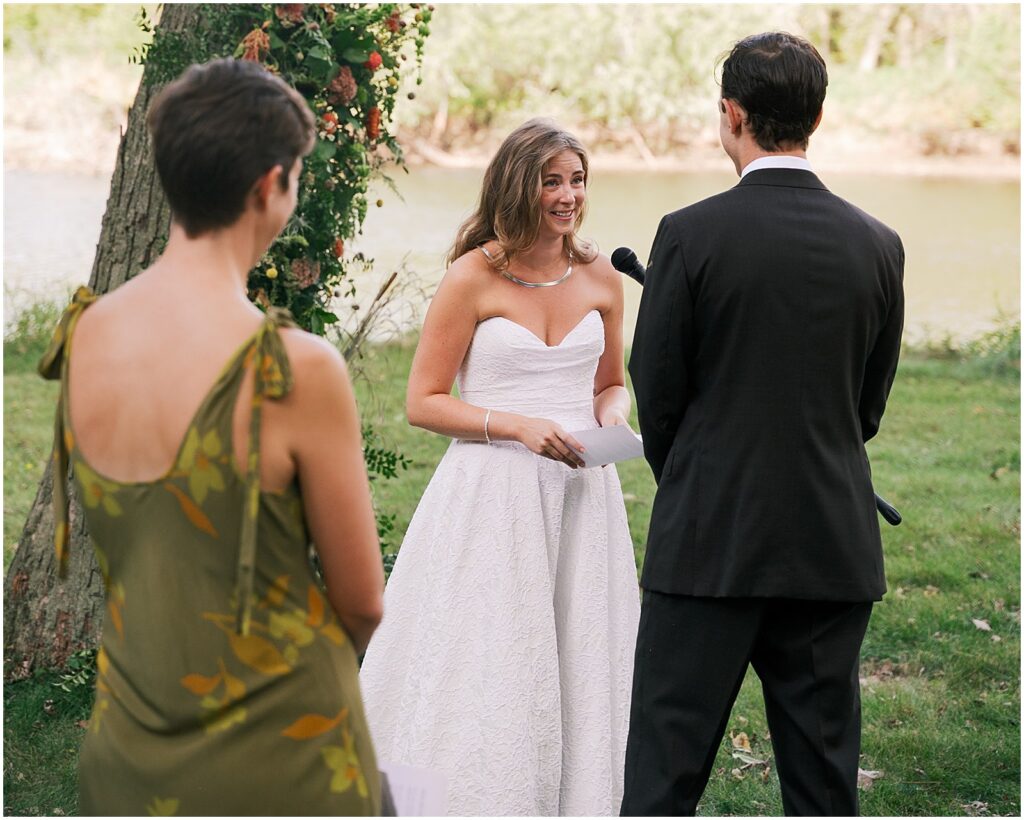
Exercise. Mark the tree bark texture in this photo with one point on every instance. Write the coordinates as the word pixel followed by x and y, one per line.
pixel 46 619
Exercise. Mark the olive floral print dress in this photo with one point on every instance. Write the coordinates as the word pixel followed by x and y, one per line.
pixel 225 683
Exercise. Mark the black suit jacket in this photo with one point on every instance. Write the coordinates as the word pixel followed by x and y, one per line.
pixel 766 343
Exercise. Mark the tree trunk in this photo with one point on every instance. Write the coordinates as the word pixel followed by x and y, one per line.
pixel 904 39
pixel 46 619
pixel 877 38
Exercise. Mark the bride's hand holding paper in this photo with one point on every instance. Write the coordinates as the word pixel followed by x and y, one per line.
pixel 607 445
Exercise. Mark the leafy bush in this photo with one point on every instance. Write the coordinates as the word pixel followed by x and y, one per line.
pixel 997 351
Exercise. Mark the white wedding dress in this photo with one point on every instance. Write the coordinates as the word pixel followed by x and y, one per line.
pixel 505 657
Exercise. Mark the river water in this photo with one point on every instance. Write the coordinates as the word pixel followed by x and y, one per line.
pixel 962 236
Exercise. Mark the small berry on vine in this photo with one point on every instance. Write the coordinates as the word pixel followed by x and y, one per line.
pixel 380 203
pixel 374 62
pixel 271 273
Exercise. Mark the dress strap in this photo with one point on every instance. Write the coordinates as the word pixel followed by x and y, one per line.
pixel 273 379
pixel 54 365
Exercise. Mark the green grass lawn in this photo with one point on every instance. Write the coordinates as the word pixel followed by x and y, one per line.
pixel 941 693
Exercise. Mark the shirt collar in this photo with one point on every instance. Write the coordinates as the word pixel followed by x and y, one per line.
pixel 777 162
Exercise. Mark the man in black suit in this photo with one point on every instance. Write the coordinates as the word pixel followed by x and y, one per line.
pixel 765 347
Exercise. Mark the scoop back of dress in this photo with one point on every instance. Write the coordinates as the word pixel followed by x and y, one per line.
pixel 225 683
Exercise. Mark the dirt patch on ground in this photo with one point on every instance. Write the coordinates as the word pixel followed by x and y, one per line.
pixel 886 671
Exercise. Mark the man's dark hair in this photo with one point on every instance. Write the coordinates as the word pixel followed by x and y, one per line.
pixel 216 130
pixel 779 79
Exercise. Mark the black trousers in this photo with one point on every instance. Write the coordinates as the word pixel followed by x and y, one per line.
pixel 691 656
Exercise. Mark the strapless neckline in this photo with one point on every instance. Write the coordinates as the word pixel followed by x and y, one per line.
pixel 534 336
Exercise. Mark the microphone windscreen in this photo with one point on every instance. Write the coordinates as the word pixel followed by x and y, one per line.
pixel 623 259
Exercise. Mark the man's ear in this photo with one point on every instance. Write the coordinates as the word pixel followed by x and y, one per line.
pixel 735 114
pixel 817 120
pixel 265 186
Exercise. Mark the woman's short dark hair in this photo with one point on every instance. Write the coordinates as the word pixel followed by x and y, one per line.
pixel 779 79
pixel 216 130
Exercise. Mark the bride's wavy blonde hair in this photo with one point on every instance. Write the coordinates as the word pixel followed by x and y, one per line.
pixel 509 207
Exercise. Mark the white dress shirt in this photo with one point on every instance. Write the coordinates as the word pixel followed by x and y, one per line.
pixel 777 162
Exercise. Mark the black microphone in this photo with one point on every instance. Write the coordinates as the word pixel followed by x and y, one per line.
pixel 624 261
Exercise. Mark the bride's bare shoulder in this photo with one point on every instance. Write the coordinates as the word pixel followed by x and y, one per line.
pixel 469 274
pixel 601 272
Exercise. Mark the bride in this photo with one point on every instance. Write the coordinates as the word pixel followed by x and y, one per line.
pixel 505 656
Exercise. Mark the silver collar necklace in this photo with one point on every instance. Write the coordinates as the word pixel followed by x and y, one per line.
pixel 524 283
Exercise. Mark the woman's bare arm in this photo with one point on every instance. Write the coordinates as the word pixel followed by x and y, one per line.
pixel 326 445
pixel 611 399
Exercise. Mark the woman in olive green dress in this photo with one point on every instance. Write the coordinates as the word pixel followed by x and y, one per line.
pixel 210 443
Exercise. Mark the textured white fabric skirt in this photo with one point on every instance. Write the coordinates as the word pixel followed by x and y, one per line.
pixel 505 656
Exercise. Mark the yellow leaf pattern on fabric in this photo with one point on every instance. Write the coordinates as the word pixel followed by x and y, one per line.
pixel 197 460
pixel 275 595
pixel 97 714
pixel 97 491
pixel 291 626
pixel 225 719
pixel 200 684
pixel 234 687
pixel 259 654
pixel 334 634
pixel 344 762
pixel 115 592
pixel 195 515
pixel 273 378
pixel 309 726
pixel 315 604
pixel 115 617
pixel 163 807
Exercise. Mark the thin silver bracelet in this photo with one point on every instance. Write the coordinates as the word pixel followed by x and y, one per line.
pixel 487 421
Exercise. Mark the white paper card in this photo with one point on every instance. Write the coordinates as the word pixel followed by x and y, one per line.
pixel 606 445
pixel 417 792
